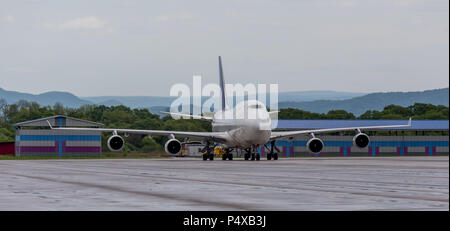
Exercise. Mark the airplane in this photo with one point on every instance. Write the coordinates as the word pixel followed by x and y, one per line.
pixel 245 134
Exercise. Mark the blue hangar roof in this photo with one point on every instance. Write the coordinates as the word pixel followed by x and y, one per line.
pixel 437 125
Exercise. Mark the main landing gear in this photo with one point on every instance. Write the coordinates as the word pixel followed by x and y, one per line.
pixel 252 154
pixel 227 155
pixel 271 153
pixel 208 152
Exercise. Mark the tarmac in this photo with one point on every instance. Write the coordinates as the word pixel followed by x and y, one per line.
pixel 338 183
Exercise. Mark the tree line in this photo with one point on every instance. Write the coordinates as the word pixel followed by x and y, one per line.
pixel 125 117
pixel 420 111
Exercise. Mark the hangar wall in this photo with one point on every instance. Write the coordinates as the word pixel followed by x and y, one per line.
pixel 7 148
pixel 33 138
pixel 57 143
pixel 379 146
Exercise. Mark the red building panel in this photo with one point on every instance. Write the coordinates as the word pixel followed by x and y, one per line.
pixel 7 148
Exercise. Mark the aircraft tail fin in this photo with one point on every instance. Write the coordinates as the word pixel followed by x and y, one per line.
pixel 222 84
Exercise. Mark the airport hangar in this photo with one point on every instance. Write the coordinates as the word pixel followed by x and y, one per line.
pixel 424 137
pixel 34 138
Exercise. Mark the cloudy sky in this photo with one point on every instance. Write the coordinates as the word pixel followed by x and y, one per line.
pixel 128 47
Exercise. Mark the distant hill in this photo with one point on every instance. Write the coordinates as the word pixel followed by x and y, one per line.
pixel 373 101
pixel 48 98
pixel 314 101
pixel 133 101
pixel 152 101
pixel 110 102
pixel 304 96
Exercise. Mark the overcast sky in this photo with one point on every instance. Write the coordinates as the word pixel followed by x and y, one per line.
pixel 128 47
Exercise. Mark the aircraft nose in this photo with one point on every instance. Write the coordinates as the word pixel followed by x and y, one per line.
pixel 258 125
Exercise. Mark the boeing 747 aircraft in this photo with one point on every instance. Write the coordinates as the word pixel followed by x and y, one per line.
pixel 246 134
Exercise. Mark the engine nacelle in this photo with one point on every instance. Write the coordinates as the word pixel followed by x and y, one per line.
pixel 361 140
pixel 172 146
pixel 314 145
pixel 115 143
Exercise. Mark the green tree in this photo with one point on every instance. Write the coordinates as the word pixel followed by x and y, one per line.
pixel 150 145
pixel 340 114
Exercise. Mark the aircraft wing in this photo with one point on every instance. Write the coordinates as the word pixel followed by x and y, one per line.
pixel 207 118
pixel 289 134
pixel 212 136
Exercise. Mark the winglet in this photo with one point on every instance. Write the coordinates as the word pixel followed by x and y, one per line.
pixel 49 124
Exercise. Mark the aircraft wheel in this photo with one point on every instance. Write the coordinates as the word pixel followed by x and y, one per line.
pixel 230 156
pixel 258 157
pixel 211 156
pixel 253 156
pixel 269 156
pixel 275 156
pixel 246 156
pixel 224 157
pixel 205 156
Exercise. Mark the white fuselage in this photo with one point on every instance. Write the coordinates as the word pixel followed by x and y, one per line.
pixel 247 125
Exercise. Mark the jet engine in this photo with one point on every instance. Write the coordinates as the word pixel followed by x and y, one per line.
pixel 361 140
pixel 172 146
pixel 314 145
pixel 115 143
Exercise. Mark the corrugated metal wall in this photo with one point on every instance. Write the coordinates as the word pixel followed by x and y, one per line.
pixel 57 143
pixel 379 146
